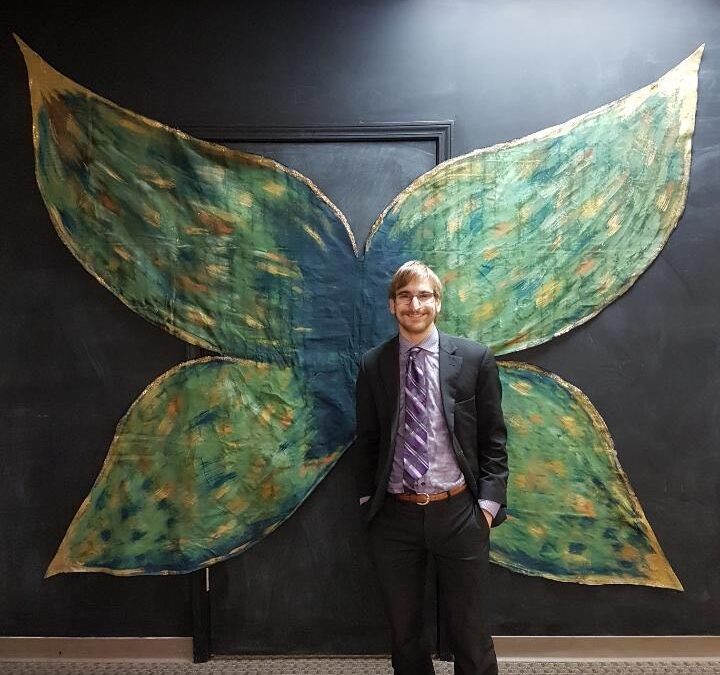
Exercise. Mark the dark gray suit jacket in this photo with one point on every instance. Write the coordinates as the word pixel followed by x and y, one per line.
pixel 471 398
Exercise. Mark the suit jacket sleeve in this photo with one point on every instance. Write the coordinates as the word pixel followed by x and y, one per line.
pixel 491 433
pixel 367 435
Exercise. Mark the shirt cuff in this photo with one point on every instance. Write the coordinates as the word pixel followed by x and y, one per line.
pixel 367 498
pixel 490 506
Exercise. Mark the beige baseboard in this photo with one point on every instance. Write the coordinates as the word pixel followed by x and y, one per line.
pixel 511 648
pixel 96 648
pixel 608 647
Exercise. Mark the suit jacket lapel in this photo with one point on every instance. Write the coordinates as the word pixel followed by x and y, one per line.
pixel 449 369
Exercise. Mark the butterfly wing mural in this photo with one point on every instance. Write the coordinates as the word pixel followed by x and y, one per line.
pixel 242 256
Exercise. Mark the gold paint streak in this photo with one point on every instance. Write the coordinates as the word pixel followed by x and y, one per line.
pixel 252 322
pixel 555 466
pixel 613 224
pixel 537 531
pixel 315 236
pixel 522 387
pixel 274 188
pixel 266 414
pixel 607 281
pixel 151 215
pixel 276 270
pixel 197 316
pixel 245 199
pixel 491 253
pixel 591 207
pixel 223 529
pixel 122 252
pixel 484 312
pixel 547 293
pixel 665 197
pixel 454 225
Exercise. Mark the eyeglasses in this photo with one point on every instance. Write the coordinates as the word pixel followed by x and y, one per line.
pixel 405 298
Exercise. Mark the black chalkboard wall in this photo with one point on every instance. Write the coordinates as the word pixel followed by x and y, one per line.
pixel 73 357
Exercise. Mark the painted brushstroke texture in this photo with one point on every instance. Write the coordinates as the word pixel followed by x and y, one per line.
pixel 572 513
pixel 214 455
pixel 240 255
pixel 536 236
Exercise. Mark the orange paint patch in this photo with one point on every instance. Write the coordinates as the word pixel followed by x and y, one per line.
pixel 164 492
pixel 536 419
pixel 190 285
pixel 237 505
pixel 586 267
pixel 430 202
pixel 501 229
pixel 269 490
pixel 215 224
pixel 582 505
pixel 571 426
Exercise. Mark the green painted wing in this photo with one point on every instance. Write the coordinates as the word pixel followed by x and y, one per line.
pixel 227 250
pixel 572 514
pixel 536 236
pixel 213 455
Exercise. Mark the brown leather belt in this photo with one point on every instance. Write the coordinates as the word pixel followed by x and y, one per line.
pixel 423 498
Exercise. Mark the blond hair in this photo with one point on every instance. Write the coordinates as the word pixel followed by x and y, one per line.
pixel 411 270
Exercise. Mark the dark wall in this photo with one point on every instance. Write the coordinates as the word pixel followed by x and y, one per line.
pixel 73 357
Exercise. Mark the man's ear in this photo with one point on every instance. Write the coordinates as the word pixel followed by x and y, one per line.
pixel 438 305
pixel 391 306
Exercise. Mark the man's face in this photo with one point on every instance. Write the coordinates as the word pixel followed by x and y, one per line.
pixel 415 307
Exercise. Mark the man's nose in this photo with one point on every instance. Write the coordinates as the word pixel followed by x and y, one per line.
pixel 415 303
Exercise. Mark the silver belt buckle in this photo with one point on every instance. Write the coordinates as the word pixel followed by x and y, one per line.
pixel 427 499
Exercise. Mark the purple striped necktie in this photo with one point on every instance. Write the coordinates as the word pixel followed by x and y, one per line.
pixel 415 457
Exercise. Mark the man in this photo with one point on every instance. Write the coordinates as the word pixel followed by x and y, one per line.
pixel 432 474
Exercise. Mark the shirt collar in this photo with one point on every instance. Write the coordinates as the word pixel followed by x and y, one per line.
pixel 430 344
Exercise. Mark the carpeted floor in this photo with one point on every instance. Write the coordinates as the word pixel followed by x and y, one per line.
pixel 345 666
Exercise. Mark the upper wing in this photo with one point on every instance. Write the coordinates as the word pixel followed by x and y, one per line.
pixel 227 250
pixel 536 236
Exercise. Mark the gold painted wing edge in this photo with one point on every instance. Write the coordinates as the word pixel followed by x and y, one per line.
pixel 665 576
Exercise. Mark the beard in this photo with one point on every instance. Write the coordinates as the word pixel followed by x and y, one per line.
pixel 418 322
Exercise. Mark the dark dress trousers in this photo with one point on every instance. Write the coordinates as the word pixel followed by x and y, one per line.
pixel 453 530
